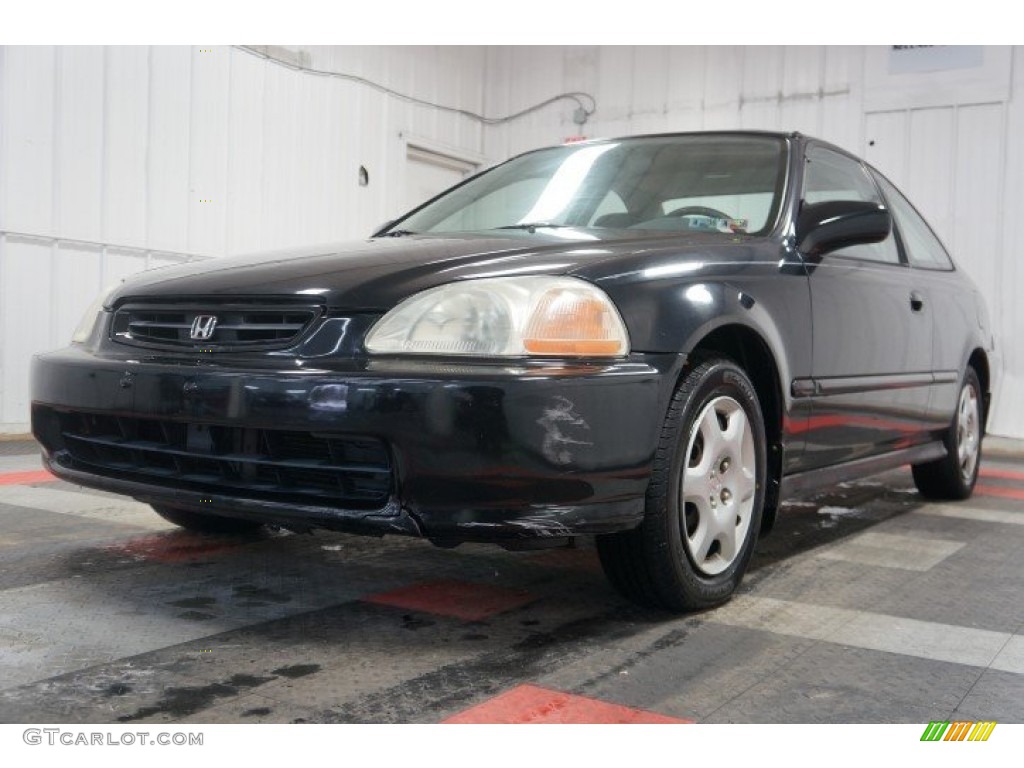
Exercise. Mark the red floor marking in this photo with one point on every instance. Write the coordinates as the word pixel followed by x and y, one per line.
pixel 533 704
pixel 1002 474
pixel 458 599
pixel 995 490
pixel 24 478
pixel 175 546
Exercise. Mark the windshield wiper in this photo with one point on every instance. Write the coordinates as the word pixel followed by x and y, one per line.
pixel 399 233
pixel 533 226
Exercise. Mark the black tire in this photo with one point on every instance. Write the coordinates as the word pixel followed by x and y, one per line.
pixel 652 565
pixel 949 478
pixel 201 522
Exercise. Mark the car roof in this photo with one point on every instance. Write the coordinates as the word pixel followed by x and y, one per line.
pixel 720 131
pixel 681 134
pixel 782 135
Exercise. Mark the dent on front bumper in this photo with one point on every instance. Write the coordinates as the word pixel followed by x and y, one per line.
pixel 477 452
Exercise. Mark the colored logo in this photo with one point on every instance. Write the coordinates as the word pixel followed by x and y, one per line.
pixel 961 730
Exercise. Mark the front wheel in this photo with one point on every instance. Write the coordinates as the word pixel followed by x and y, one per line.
pixel 705 499
pixel 953 476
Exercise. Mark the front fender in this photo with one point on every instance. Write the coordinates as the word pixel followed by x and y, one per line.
pixel 674 317
pixel 766 305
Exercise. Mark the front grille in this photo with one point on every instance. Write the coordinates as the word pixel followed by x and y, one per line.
pixel 212 325
pixel 278 465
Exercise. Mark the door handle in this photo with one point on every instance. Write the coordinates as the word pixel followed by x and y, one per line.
pixel 916 301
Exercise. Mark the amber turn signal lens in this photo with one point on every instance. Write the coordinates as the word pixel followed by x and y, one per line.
pixel 568 322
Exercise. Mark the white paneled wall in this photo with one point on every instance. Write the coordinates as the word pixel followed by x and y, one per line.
pixel 153 155
pixel 959 155
pixel 113 159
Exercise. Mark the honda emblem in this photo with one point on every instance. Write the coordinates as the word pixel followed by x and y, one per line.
pixel 202 327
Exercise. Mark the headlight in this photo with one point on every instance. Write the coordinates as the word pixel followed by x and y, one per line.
pixel 504 317
pixel 88 321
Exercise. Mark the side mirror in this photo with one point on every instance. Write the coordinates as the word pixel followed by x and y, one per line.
pixel 825 227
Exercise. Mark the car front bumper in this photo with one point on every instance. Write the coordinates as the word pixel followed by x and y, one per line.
pixel 476 452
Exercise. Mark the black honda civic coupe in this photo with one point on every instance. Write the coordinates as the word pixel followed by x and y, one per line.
pixel 650 339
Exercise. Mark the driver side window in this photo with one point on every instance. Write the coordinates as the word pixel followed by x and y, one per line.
pixel 831 176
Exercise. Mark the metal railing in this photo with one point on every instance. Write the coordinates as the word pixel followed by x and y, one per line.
pixel 103 248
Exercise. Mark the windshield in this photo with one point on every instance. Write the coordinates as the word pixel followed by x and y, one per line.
pixel 715 183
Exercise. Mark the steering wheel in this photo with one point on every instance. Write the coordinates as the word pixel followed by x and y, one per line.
pixel 699 210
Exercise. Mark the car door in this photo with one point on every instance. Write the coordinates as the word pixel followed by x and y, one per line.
pixel 871 335
pixel 935 278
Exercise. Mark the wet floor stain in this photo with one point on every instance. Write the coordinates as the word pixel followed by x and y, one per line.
pixel 415 622
pixel 196 616
pixel 182 702
pixel 117 689
pixel 297 670
pixel 194 602
pixel 89 560
pixel 254 593
pixel 174 547
pixel 448 688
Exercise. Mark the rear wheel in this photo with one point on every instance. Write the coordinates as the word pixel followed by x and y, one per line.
pixel 705 499
pixel 953 476
pixel 201 522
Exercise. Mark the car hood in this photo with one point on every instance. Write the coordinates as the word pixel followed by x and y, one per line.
pixel 374 275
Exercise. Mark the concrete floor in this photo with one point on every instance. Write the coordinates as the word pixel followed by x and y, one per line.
pixel 864 605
